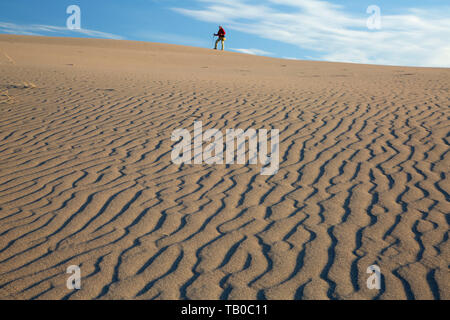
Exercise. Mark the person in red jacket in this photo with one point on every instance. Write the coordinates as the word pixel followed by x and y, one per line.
pixel 221 37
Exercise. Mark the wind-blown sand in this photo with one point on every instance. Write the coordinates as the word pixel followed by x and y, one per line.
pixel 86 176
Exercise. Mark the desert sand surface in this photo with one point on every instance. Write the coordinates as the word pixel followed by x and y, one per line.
pixel 86 176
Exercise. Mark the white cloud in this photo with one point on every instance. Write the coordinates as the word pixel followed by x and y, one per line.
pixel 39 29
pixel 414 38
pixel 253 51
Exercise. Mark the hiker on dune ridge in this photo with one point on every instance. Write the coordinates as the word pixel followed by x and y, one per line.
pixel 221 37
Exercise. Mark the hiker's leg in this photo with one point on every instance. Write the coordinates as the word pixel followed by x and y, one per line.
pixel 223 44
pixel 217 41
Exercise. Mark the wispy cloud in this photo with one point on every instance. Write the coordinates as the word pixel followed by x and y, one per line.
pixel 253 51
pixel 39 29
pixel 417 37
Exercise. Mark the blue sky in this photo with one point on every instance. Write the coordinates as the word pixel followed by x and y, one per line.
pixel 412 33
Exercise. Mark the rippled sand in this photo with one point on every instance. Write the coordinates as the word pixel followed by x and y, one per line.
pixel 86 176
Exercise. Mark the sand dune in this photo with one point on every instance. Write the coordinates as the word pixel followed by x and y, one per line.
pixel 86 176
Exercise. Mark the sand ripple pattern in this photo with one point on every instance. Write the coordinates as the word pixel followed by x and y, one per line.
pixel 86 179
